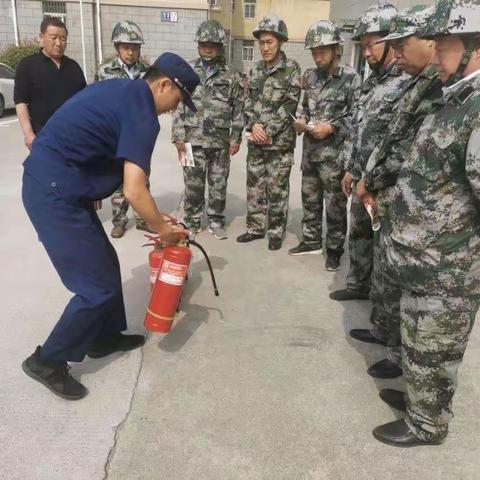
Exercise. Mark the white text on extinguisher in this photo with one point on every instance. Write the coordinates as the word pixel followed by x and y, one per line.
pixel 172 273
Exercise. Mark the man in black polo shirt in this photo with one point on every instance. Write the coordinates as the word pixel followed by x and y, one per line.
pixel 45 80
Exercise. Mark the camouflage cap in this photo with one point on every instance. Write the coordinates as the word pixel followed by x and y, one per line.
pixel 127 32
pixel 375 19
pixel 409 22
pixel 322 34
pixel 211 31
pixel 453 17
pixel 273 24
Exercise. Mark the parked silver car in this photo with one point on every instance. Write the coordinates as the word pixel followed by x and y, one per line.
pixel 7 79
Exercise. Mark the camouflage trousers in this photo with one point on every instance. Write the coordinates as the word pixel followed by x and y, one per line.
pixel 268 188
pixel 385 293
pixel 360 243
pixel 439 302
pixel 120 207
pixel 212 166
pixel 321 181
pixel 435 330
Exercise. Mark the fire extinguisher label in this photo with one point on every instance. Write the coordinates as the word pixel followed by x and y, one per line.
pixel 173 273
pixel 153 275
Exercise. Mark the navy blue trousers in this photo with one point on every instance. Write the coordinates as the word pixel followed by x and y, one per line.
pixel 87 264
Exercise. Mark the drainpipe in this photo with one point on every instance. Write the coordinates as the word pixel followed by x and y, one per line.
pixel 99 34
pixel 230 47
pixel 82 30
pixel 15 22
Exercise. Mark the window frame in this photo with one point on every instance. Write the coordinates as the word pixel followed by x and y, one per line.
pixel 250 6
pixel 248 51
pixel 55 9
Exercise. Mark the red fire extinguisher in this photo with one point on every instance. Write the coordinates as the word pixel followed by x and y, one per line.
pixel 169 283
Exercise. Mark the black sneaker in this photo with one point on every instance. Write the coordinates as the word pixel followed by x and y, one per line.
pixel 117 342
pixel 55 376
pixel 275 244
pixel 305 249
pixel 249 237
pixel 332 263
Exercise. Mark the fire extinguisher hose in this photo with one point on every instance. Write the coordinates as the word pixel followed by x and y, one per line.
pixel 214 282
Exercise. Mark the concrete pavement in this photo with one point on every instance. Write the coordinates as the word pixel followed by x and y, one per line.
pixel 262 382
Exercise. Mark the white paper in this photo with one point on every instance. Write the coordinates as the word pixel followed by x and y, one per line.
pixel 189 155
pixel 186 157
pixel 374 217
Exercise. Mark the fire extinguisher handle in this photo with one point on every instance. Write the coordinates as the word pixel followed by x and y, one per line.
pixel 214 282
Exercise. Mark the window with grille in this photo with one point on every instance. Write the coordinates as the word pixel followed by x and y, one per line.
pixel 55 9
pixel 247 50
pixel 250 8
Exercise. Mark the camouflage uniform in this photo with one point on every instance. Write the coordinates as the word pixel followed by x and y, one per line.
pixel 434 246
pixel 373 109
pixel 328 99
pixel 125 32
pixel 217 125
pixel 372 113
pixel 385 293
pixel 381 174
pixel 272 96
pixel 117 69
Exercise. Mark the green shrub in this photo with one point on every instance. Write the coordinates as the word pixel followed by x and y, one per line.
pixel 11 54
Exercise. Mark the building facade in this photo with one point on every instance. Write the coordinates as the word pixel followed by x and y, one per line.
pixel 166 25
pixel 240 17
pixel 171 25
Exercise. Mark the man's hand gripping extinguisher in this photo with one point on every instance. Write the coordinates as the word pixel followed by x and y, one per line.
pixel 172 262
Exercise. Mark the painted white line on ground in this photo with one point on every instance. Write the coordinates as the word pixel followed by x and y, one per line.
pixel 8 122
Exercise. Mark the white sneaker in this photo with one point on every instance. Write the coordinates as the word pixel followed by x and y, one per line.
pixel 218 231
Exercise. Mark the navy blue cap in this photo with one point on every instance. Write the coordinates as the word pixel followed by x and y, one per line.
pixel 181 73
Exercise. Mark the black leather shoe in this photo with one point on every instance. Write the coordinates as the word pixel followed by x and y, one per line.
pixel 364 335
pixel 346 294
pixel 55 376
pixel 117 342
pixel 385 369
pixel 399 434
pixel 275 244
pixel 394 398
pixel 249 237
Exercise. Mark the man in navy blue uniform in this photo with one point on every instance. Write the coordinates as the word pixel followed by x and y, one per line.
pixel 102 137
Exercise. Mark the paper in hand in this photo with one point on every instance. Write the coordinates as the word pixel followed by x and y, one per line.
pixel 186 157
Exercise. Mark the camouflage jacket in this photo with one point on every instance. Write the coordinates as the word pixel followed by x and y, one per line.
pixel 416 103
pixel 435 214
pixel 273 94
pixel 219 99
pixel 328 99
pixel 115 69
pixel 373 111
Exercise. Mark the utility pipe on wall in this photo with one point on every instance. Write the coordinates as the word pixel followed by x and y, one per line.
pixel 15 22
pixel 84 58
pixel 99 34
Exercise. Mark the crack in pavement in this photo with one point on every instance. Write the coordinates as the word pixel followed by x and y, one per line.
pixel 118 428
